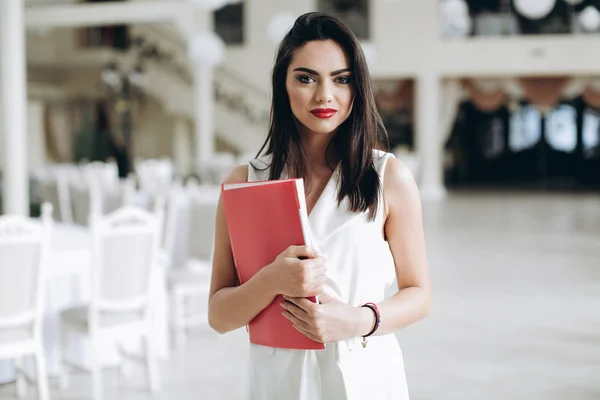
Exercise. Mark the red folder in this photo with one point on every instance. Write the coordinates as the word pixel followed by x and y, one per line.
pixel 264 218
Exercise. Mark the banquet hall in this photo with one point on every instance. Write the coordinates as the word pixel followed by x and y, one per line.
pixel 120 119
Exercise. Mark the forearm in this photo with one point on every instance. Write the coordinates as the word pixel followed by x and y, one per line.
pixel 405 308
pixel 231 308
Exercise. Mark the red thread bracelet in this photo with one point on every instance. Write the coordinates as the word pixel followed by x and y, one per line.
pixel 375 310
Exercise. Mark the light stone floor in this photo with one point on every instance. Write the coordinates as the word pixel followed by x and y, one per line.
pixel 516 314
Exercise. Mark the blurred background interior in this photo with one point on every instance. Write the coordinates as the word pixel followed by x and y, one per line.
pixel 128 115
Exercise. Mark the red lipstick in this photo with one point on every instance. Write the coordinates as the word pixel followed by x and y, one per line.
pixel 323 112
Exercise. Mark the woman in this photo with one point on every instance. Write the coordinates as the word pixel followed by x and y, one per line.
pixel 364 214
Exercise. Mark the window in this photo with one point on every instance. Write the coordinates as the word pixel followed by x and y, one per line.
pixel 229 23
pixel 355 13
pixel 113 36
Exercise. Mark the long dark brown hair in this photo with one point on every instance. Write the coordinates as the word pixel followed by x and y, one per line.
pixel 354 139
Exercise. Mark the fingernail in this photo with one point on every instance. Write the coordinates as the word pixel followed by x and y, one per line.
pixel 282 304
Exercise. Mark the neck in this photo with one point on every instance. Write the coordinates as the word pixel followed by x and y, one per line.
pixel 315 146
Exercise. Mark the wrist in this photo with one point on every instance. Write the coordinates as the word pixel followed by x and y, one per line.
pixel 365 321
pixel 267 281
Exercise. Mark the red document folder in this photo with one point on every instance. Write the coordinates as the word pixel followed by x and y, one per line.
pixel 264 218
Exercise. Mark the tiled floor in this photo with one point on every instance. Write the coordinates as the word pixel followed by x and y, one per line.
pixel 516 312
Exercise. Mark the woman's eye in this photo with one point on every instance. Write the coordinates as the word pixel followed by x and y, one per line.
pixel 344 79
pixel 306 79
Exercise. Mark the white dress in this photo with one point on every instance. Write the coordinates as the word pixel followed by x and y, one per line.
pixel 360 268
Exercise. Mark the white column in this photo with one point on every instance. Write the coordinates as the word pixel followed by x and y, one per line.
pixel 204 113
pixel 206 50
pixel 182 146
pixel 13 103
pixel 429 137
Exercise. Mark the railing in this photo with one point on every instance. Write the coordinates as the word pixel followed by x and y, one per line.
pixel 241 97
pixel 242 111
pixel 231 90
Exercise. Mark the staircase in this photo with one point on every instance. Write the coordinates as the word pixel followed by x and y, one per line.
pixel 241 110
pixel 241 113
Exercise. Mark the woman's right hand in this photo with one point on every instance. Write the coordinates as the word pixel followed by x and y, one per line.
pixel 299 271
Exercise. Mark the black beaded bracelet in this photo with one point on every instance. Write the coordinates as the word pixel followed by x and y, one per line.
pixel 375 310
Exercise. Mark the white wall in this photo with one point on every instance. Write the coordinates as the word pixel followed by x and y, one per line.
pixel 254 60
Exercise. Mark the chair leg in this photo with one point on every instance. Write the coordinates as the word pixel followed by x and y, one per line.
pixel 42 375
pixel 21 382
pixel 63 373
pixel 96 368
pixel 178 318
pixel 151 362
pixel 125 370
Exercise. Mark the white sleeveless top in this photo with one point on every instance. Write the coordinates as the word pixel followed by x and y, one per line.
pixel 360 268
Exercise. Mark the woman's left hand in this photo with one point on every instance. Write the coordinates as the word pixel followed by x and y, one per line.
pixel 328 321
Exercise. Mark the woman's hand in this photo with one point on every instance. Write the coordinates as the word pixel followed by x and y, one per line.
pixel 298 271
pixel 330 320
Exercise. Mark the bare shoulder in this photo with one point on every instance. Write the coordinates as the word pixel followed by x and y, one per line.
pixel 237 175
pixel 399 186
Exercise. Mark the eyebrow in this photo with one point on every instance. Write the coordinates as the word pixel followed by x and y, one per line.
pixel 313 72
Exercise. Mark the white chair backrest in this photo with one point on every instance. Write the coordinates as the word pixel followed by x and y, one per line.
pixel 50 193
pixel 55 180
pixel 125 251
pixel 202 205
pixel 122 195
pixel 86 199
pixel 176 202
pixel 155 175
pixel 103 174
pixel 217 168
pixel 192 182
pixel 23 249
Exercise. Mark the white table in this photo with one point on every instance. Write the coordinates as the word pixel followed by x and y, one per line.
pixel 68 285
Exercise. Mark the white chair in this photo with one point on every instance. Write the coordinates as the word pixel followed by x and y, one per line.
pixel 90 197
pixel 189 284
pixel 217 168
pixel 121 195
pixel 55 180
pixel 86 199
pixel 124 262
pixel 154 175
pixel 23 250
pixel 106 175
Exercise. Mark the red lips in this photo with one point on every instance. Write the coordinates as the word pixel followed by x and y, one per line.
pixel 323 112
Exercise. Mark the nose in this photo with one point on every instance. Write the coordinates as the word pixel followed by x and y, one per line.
pixel 324 94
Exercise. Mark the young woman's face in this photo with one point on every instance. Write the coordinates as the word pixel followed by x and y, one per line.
pixel 320 86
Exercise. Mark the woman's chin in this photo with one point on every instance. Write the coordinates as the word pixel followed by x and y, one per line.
pixel 324 127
